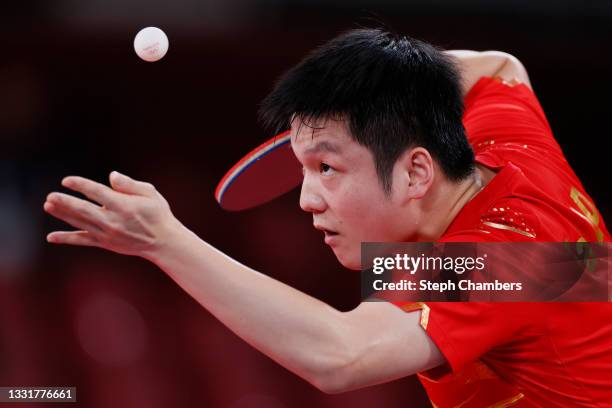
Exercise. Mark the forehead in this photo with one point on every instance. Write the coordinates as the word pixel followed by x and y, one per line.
pixel 321 136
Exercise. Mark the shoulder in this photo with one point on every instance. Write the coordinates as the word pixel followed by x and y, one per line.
pixel 506 219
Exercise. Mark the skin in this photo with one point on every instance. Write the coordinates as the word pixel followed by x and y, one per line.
pixel 335 351
pixel 344 193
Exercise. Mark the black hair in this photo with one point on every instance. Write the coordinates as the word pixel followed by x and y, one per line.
pixel 394 92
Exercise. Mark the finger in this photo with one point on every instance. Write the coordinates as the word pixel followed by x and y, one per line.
pixel 82 238
pixel 74 219
pixel 87 209
pixel 94 191
pixel 84 209
pixel 128 185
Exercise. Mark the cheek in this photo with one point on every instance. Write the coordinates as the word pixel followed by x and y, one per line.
pixel 351 204
pixel 362 211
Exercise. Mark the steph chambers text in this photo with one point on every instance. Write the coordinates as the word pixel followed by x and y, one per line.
pixel 464 284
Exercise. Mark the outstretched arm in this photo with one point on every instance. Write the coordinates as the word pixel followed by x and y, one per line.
pixel 334 351
pixel 474 64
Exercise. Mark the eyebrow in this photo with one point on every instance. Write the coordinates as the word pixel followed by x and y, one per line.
pixel 322 147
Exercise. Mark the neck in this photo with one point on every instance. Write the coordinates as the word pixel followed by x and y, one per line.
pixel 448 200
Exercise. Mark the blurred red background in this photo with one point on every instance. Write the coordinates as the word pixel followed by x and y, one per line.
pixel 75 99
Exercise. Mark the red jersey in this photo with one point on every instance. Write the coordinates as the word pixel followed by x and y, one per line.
pixel 523 354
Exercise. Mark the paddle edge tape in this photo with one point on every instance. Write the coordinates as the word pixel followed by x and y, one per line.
pixel 248 160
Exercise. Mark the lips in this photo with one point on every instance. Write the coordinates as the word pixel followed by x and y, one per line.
pixel 326 230
pixel 330 235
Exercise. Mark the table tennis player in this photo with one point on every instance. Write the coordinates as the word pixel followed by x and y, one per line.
pixel 398 141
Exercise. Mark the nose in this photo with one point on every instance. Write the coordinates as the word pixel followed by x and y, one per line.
pixel 310 198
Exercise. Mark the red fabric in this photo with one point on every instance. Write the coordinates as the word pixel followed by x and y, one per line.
pixel 509 134
pixel 553 354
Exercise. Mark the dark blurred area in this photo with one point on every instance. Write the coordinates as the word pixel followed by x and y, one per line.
pixel 75 99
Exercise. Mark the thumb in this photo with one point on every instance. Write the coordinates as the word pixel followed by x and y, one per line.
pixel 122 183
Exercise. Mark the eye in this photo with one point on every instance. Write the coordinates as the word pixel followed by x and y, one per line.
pixel 326 169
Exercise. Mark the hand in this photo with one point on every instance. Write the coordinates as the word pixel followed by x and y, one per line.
pixel 132 218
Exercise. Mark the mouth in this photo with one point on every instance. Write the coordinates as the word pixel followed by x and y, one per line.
pixel 330 235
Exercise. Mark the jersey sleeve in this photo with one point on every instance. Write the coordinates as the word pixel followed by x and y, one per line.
pixel 501 120
pixel 465 332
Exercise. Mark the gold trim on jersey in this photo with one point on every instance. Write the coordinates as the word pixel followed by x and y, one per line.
pixel 424 316
pixel 508 82
pixel 424 312
pixel 507 403
pixel 476 372
pixel 508 228
pixel 587 211
pixel 468 399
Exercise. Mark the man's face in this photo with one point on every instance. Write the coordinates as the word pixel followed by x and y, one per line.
pixel 343 192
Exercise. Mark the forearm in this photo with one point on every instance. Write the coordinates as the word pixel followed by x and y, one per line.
pixel 299 332
pixel 334 351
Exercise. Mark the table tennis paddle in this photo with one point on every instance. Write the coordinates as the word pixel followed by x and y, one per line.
pixel 265 173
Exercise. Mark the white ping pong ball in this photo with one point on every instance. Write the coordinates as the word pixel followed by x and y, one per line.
pixel 151 44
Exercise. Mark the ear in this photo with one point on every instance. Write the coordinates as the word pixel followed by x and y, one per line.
pixel 414 174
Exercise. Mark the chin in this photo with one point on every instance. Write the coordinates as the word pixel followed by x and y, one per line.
pixel 348 261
